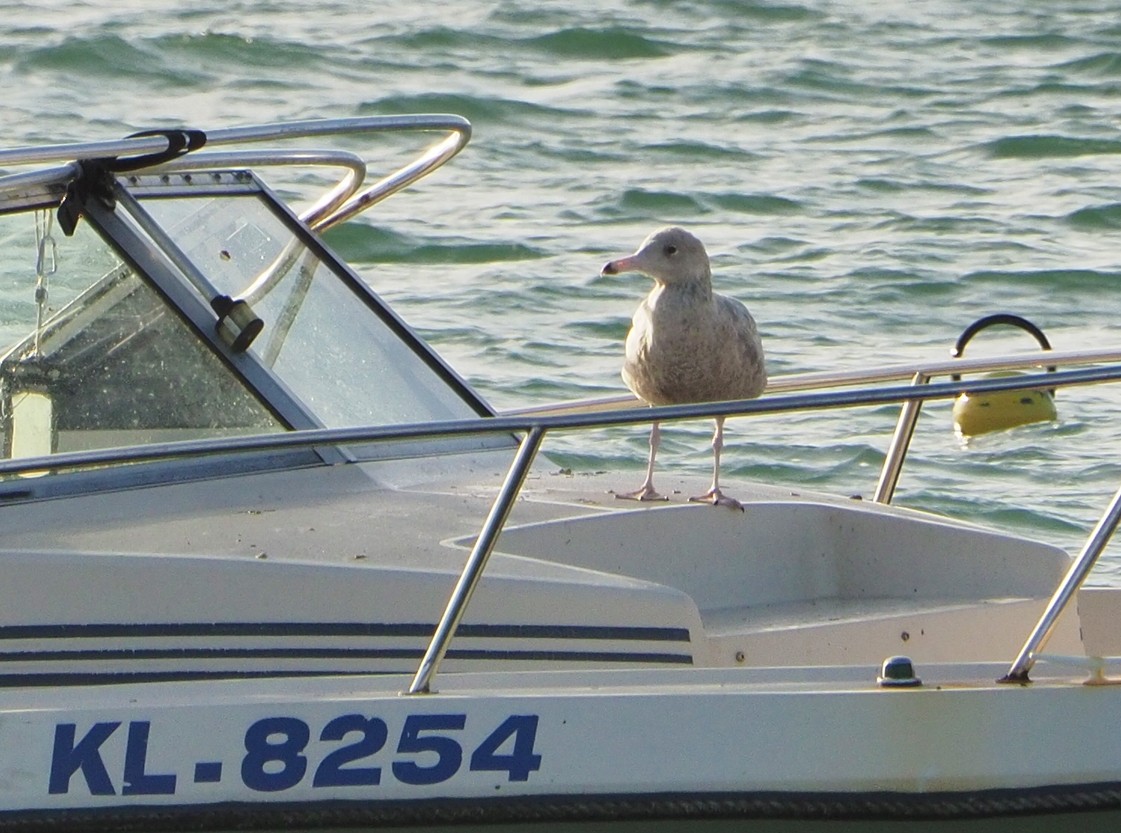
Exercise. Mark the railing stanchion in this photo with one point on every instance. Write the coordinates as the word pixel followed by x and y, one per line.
pixel 476 561
pixel 900 441
pixel 1077 573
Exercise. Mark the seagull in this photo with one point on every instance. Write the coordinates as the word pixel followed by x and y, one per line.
pixel 687 343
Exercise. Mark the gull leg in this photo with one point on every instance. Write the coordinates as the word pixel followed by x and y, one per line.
pixel 646 491
pixel 714 495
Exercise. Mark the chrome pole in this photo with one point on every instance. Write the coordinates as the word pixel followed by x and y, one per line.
pixel 1077 573
pixel 900 442
pixel 424 164
pixel 477 561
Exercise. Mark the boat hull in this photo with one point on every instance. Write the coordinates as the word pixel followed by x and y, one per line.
pixel 721 746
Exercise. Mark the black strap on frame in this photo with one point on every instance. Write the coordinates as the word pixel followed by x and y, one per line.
pixel 95 176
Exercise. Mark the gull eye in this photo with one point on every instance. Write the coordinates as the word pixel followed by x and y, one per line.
pixel 670 251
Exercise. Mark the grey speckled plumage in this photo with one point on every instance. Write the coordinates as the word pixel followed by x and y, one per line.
pixel 687 343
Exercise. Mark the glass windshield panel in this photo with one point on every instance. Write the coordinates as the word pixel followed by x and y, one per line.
pixel 92 357
pixel 321 337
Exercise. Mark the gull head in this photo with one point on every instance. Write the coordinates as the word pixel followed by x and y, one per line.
pixel 669 256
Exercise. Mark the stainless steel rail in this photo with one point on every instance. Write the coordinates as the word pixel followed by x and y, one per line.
pixel 920 374
pixel 340 203
pixel 476 562
pixel 352 165
pixel 796 382
pixel 1076 575
pixel 900 441
pixel 520 423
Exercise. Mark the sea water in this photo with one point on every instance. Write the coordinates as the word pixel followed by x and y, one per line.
pixel 869 178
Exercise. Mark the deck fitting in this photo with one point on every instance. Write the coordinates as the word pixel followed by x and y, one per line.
pixel 898 672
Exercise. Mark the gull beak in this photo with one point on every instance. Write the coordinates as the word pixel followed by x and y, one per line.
pixel 614 267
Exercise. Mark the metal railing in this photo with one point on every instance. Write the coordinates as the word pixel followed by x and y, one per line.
pixel 917 374
pixel 911 398
pixel 1076 575
pixel 575 417
pixel 338 204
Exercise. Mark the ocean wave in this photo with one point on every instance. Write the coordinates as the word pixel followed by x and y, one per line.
pixel 1043 146
pixel 1104 64
pixel 108 56
pixel 661 204
pixel 764 204
pixel 695 150
pixel 361 243
pixel 608 43
pixel 1065 279
pixel 612 328
pixel 484 110
pixel 590 42
pixel 1096 217
pixel 172 59
pixel 1033 41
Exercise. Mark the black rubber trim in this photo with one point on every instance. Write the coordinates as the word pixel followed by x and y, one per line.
pixel 694 807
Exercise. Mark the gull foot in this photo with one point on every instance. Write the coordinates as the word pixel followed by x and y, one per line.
pixel 646 493
pixel 718 498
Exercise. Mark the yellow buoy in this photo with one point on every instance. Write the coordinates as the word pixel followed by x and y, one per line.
pixel 984 412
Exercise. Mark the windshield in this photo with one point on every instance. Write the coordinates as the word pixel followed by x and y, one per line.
pixel 108 338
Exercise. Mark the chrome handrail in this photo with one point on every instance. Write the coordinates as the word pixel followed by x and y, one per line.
pixel 900 442
pixel 353 166
pixel 520 423
pixel 796 382
pixel 477 561
pixel 327 212
pixel 1079 569
pixel 919 374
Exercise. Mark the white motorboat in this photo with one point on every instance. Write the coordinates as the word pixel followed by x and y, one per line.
pixel 269 562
